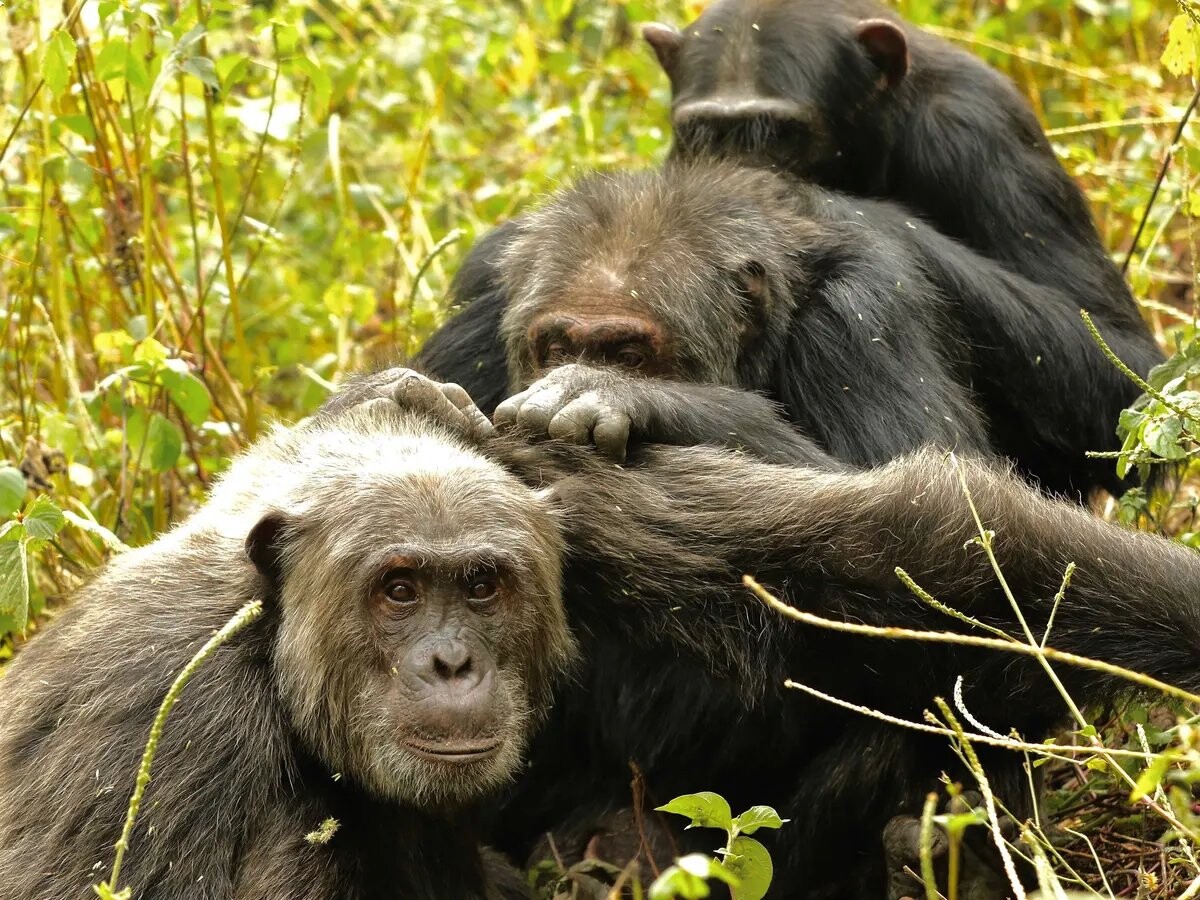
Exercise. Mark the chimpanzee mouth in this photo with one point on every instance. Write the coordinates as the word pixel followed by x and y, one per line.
pixel 454 752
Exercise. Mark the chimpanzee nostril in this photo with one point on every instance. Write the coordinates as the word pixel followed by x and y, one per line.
pixel 451 661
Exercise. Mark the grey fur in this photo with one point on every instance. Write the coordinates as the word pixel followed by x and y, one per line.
pixel 295 720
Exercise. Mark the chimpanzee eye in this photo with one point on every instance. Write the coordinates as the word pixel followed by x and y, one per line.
pixel 400 590
pixel 482 588
pixel 630 357
pixel 556 352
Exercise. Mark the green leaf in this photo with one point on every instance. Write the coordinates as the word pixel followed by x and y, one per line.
pixel 12 490
pixel 202 67
pixel 57 62
pixel 14 581
pixel 705 809
pixel 1151 777
pixel 164 443
pixel 43 520
pixel 113 61
pixel 188 393
pixel 757 817
pixel 1163 435
pixel 94 528
pixel 751 864
pixel 322 85
pixel 688 878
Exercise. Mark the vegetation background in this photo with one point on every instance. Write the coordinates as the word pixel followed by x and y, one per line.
pixel 211 212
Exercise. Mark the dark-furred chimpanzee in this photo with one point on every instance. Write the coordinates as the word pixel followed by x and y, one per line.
pixel 683 675
pixel 873 331
pixel 413 627
pixel 849 95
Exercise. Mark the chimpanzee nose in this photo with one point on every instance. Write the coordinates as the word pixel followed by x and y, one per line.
pixel 450 663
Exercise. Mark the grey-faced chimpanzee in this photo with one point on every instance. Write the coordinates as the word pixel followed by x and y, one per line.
pixel 412 631
pixel 849 95
pixel 683 676
pixel 873 331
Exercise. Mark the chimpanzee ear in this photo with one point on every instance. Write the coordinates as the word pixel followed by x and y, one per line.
pixel 887 47
pixel 665 41
pixel 756 288
pixel 265 543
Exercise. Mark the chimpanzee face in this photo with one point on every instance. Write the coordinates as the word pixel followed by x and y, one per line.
pixel 769 83
pixel 666 276
pixel 421 616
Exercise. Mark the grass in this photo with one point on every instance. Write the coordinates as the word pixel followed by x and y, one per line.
pixel 211 212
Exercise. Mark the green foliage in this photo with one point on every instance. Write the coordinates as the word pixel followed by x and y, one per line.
pixel 212 211
pixel 745 865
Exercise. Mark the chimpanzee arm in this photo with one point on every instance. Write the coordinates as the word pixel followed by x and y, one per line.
pixel 468 349
pixel 585 404
pixel 678 532
pixel 1048 388
pixel 874 366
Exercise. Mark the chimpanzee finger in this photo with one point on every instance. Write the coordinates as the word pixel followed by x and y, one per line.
pixel 460 398
pixel 539 408
pixel 505 415
pixel 611 432
pixel 419 394
pixel 573 423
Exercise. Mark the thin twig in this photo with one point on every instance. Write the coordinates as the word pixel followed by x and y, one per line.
pixel 1162 173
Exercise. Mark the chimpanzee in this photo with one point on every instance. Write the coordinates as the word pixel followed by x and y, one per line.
pixel 873 331
pixel 412 632
pixel 684 677
pixel 849 95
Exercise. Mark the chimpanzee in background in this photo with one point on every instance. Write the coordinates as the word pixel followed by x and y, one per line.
pixel 873 331
pixel 848 94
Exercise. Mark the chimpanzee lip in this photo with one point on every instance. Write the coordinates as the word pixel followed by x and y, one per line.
pixel 454 751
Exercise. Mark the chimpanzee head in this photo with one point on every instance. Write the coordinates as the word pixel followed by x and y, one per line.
pixel 689 273
pixel 417 587
pixel 776 81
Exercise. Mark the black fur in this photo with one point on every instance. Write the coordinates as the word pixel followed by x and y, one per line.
pixel 684 669
pixel 952 138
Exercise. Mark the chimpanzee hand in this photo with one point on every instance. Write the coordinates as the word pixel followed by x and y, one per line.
pixel 613 410
pixel 578 404
pixel 446 403
pixel 980 877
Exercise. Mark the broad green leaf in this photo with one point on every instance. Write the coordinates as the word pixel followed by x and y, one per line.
pixel 1162 436
pixel 751 864
pixel 12 490
pixel 188 393
pixel 164 443
pixel 56 64
pixel 150 350
pixel 43 519
pixel 705 809
pixel 202 67
pixel 113 61
pixel 14 581
pixel 92 527
pixel 757 817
